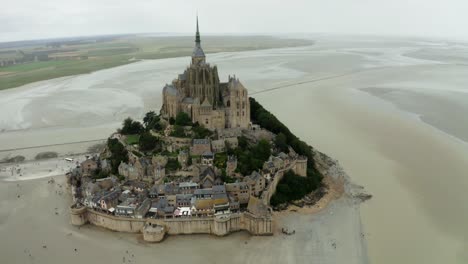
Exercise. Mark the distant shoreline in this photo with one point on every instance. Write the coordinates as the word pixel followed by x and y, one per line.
pixel 69 58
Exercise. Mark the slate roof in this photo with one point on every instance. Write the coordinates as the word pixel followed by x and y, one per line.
pixel 198 51
pixel 208 171
pixel 170 89
pixel 201 141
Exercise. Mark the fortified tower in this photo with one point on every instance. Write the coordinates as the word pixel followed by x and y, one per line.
pixel 78 215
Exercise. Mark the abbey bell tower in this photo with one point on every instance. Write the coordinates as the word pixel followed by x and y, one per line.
pixel 198 56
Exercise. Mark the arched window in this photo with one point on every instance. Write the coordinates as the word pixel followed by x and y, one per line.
pixel 228 103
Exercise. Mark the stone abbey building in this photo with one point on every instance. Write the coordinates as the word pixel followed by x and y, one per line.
pixel 199 93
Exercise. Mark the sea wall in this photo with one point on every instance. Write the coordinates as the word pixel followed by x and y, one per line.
pixel 115 223
pixel 217 225
pixel 271 188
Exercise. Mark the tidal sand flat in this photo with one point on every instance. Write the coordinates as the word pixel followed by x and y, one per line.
pixel 415 168
pixel 35 213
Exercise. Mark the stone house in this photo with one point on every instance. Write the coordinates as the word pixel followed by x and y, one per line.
pixel 207 158
pixel 234 205
pixel 183 200
pixel 110 200
pixel 142 209
pixel 171 199
pixel 145 169
pixel 154 192
pixel 231 165
pixel 269 166
pixel 203 199
pixel 220 198
pixel 187 187
pixel 240 191
pixel 256 183
pixel 200 146
pixel 128 171
pixel 218 146
pixel 127 208
pixel 138 186
pixel 159 172
pixel 183 157
pixel 160 208
pixel 88 167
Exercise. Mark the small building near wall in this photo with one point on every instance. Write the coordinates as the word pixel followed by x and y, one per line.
pixel 256 183
pixel 200 146
pixel 207 158
pixel 88 167
pixel 231 165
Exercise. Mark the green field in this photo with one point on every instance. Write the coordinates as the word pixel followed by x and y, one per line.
pixel 84 58
pixel 133 139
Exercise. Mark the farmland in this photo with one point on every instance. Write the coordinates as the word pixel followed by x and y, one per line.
pixel 27 63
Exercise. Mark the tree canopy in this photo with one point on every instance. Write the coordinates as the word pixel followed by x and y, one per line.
pixel 118 154
pixel 292 187
pixel 284 138
pixel 267 120
pixel 152 121
pixel 147 142
pixel 183 119
pixel 250 157
pixel 131 127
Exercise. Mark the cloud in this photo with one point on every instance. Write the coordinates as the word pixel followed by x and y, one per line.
pixel 30 19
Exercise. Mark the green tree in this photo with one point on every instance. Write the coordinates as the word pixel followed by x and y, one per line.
pixel 118 154
pixel 281 142
pixel 183 119
pixel 152 121
pixel 131 127
pixel 173 165
pixel 262 150
pixel 201 132
pixel 149 117
pixel 178 131
pixel 148 142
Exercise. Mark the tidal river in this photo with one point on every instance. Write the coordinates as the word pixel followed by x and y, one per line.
pixel 393 112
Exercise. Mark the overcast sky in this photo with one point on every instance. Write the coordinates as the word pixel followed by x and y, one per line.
pixel 33 19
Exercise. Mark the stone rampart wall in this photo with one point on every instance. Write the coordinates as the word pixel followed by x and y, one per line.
pixel 115 223
pixel 271 188
pixel 217 225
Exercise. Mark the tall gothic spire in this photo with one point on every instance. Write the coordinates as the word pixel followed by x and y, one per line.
pixel 197 35
pixel 198 56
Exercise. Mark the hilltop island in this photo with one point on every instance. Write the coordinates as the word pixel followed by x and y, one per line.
pixel 212 161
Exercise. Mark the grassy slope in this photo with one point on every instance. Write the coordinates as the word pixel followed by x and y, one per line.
pixel 104 55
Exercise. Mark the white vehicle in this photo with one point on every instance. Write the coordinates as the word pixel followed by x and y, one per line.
pixel 69 159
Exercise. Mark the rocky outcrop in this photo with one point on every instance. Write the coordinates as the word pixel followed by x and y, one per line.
pixel 331 168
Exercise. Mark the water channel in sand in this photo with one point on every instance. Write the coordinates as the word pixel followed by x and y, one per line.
pixel 391 111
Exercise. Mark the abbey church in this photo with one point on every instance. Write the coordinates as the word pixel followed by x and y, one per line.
pixel 199 93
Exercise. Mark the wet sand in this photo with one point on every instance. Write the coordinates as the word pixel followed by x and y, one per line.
pixel 404 151
pixel 38 221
